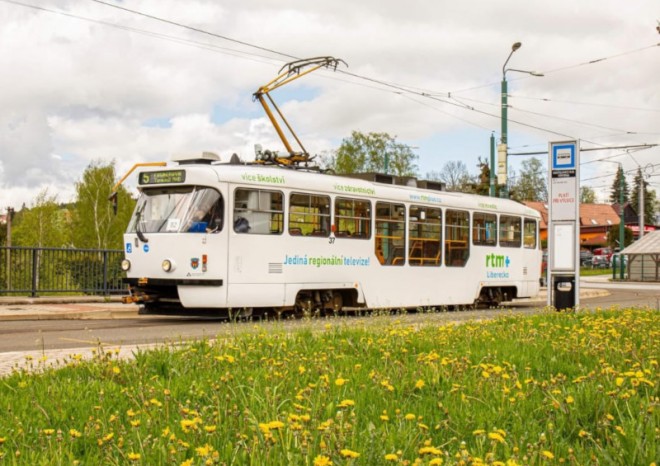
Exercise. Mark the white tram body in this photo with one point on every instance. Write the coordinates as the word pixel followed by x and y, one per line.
pixel 269 237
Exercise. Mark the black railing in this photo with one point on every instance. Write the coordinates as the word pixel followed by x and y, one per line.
pixel 35 271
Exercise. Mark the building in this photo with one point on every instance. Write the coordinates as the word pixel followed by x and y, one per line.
pixel 595 221
pixel 631 219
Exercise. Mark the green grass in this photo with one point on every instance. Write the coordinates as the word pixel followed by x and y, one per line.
pixel 588 271
pixel 549 389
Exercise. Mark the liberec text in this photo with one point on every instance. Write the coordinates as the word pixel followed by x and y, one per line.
pixel 319 261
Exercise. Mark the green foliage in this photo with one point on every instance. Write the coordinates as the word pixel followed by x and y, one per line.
pixel 649 198
pixel 531 183
pixel 94 224
pixel 42 225
pixel 587 195
pixel 483 178
pixel 374 152
pixel 554 388
pixel 613 236
pixel 620 184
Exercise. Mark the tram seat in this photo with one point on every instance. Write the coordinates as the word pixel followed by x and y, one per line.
pixel 343 234
pixel 295 231
pixel 319 233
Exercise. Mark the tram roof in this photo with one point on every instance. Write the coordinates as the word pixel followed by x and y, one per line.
pixel 273 177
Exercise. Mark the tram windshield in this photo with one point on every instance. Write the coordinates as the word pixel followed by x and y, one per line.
pixel 193 209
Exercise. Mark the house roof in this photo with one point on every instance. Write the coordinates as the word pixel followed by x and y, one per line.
pixel 649 244
pixel 591 215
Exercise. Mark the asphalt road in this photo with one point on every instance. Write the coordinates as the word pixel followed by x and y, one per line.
pixel 41 336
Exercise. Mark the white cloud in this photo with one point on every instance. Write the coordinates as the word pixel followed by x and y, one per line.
pixel 86 91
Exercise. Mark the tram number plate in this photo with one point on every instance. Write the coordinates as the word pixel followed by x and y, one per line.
pixel 163 177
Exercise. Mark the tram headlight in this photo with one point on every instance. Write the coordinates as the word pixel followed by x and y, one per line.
pixel 126 265
pixel 168 265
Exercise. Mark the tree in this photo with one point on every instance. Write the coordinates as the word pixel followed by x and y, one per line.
pixel 615 192
pixel 649 197
pixel 483 178
pixel 530 184
pixel 613 236
pixel 43 225
pixel 94 223
pixel 587 195
pixel 374 152
pixel 455 175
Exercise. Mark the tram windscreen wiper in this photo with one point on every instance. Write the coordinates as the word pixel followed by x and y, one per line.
pixel 140 235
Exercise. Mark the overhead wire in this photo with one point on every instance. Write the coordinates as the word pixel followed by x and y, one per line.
pixel 389 85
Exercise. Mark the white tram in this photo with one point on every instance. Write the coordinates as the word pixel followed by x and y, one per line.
pixel 219 236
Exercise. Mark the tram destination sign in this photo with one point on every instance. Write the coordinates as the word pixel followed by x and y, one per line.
pixel 162 177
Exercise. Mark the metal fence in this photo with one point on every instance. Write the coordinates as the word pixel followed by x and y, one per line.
pixel 38 271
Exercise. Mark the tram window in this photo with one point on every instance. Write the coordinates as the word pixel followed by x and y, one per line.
pixel 195 209
pixel 484 229
pixel 390 233
pixel 510 231
pixel 425 230
pixel 309 215
pixel 457 238
pixel 529 233
pixel 258 211
pixel 352 218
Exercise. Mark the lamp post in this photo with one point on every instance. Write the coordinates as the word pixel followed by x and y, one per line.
pixel 502 150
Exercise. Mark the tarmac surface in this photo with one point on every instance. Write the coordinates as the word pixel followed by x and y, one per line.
pixel 93 307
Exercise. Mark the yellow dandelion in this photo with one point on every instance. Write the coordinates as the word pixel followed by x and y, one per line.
pixel 435 462
pixel 547 454
pixel 583 434
pixel 391 457
pixel 346 453
pixel 109 437
pixel 322 461
pixel 420 384
pixel 209 429
pixel 619 381
pixel 48 432
pixel 72 432
pixel 2 440
pixel 188 462
pixel 479 432
pixel 116 370
pixel 136 423
pixel 346 403
pixel 570 400
pixel 134 456
pixel 409 417
pixel 339 382
pixel 430 450
pixel 275 425
pixel 496 436
pixel 204 451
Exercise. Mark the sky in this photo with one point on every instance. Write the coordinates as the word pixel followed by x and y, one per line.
pixel 84 82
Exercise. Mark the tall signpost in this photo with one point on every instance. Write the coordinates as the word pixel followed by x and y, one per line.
pixel 564 224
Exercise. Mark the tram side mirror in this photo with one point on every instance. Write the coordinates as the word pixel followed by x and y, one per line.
pixel 113 198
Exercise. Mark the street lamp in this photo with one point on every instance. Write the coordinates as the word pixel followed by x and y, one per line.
pixel 502 150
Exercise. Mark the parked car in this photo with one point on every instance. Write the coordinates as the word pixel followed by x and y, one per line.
pixel 602 258
pixel 585 257
pixel 599 262
pixel 607 252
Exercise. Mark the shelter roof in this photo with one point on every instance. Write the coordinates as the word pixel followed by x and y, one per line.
pixel 649 244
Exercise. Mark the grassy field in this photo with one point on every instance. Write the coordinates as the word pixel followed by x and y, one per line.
pixel 556 388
